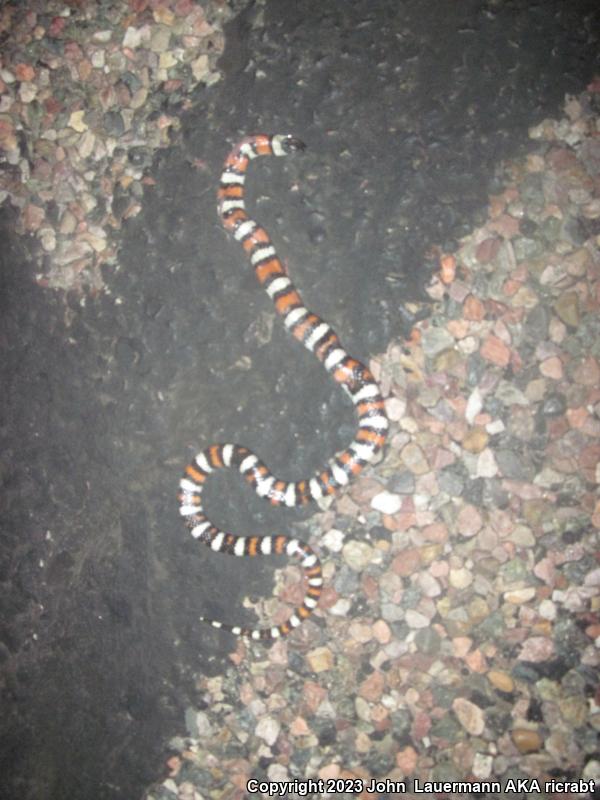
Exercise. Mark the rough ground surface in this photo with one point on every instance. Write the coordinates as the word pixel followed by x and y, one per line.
pixel 407 110
pixel 458 635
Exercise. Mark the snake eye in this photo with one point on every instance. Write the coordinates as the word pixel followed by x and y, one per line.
pixel 291 143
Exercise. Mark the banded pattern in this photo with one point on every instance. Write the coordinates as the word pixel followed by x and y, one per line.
pixel 318 337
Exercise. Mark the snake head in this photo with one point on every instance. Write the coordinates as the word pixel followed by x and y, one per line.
pixel 291 143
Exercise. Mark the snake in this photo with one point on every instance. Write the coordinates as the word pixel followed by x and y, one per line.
pixel 319 338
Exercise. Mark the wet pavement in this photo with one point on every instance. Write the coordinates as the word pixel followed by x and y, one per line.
pixel 407 112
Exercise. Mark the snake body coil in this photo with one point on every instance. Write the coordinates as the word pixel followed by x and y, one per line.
pixel 318 337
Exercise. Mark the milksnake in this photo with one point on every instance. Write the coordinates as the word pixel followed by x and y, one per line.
pixel 318 337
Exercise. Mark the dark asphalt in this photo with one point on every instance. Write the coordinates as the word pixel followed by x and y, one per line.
pixel 407 109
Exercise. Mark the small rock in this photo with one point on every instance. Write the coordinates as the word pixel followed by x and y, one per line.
pixel 460 578
pixel 554 405
pixel 386 503
pixel 522 536
pixel 160 38
pixel 48 239
pixel 587 372
pixel 24 72
pixel 574 710
pixel 395 408
pixel 372 687
pixel 512 465
pixel 470 716
pixel 475 440
pixel 487 250
pixel 547 610
pixel 360 632
pixel 329 772
pixel 508 227
pixel 68 223
pixel 525 298
pixel 357 555
pixel 139 98
pixel 579 262
pixel 333 540
pixel 268 729
pixel 414 458
pixel 407 562
pixel 363 709
pixel 473 309
pixel 98 243
pixel 435 532
pixel 474 405
pixel 458 291
pixel 402 482
pixel 98 59
pixel 501 680
pixel 519 596
pixel 320 659
pixel 341 608
pixel 382 631
pixel 526 741
pixel 552 368
pixel 469 521
pixel 102 36
pixel 76 121
pixel 429 585
pixel 299 727
pixel 567 308
pixel 33 216
pixel 557 330
pixel 461 646
pixel 482 766
pixel 163 15
pixel 545 570
pixel 486 464
pixel 494 350
pixel 537 649
pixel 8 139
pixel 85 146
pixel 416 620
pixel 27 92
pixel 553 275
pixel 535 163
pixel 510 394
pixel 591 771
pixel 200 67
pixel 407 760
pixel 391 612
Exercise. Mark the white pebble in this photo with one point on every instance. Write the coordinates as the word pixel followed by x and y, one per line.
pixel 48 239
pixel 395 408
pixel 341 608
pixel 474 405
pixel 268 730
pixel 333 540
pixel 27 92
pixel 386 502
pixel 357 555
pixel 482 766
pixel 416 620
pixel 132 38
pixel 495 426
pixel 460 578
pixel 547 609
pixel 468 345
pixel 486 464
